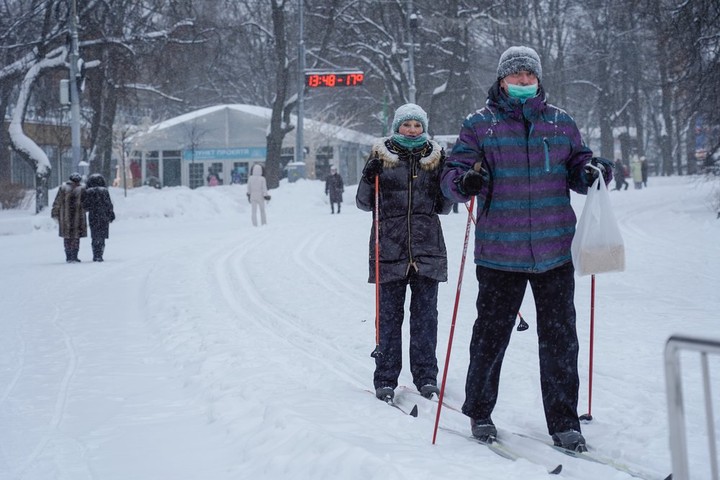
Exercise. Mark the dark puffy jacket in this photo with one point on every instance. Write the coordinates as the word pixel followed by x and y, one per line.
pixel 410 200
pixel 96 201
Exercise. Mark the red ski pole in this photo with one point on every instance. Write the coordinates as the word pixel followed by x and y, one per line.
pixel 454 316
pixel 377 352
pixel 588 416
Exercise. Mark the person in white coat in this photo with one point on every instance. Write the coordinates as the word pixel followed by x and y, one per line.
pixel 257 194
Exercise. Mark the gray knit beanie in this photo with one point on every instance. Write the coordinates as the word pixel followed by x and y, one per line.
pixel 516 59
pixel 409 111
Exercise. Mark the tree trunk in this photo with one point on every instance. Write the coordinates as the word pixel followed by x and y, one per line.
pixel 605 110
pixel 690 140
pixel 665 109
pixel 41 191
pixel 279 121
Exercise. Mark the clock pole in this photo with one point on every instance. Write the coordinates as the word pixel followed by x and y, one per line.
pixel 412 24
pixel 299 148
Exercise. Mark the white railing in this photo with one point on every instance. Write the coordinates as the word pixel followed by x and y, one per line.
pixel 676 408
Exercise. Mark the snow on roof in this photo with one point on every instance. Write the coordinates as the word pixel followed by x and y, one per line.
pixel 310 126
pixel 186 117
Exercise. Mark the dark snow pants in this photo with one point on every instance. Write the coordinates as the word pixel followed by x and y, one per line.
pixel 423 331
pixel 499 298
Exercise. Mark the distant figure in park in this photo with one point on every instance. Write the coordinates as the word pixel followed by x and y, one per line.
pixel 636 170
pixel 644 170
pixel 96 200
pixel 620 174
pixel 68 210
pixel 334 189
pixel 212 179
pixel 257 194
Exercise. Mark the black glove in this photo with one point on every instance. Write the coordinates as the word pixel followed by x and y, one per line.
pixel 373 168
pixel 473 180
pixel 591 174
pixel 267 197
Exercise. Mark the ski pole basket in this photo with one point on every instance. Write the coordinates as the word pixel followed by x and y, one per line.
pixel 676 407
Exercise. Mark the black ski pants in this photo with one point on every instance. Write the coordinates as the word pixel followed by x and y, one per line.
pixel 423 331
pixel 500 295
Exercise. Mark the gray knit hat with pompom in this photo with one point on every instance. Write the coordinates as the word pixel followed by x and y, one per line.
pixel 516 59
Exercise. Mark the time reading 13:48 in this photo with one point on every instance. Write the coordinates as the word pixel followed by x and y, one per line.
pixel 334 79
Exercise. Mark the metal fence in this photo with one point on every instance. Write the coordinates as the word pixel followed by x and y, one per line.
pixel 676 407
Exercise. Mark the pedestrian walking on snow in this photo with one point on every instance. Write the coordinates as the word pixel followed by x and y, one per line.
pixel 334 189
pixel 411 247
pixel 520 156
pixel 619 174
pixel 636 170
pixel 68 210
pixel 97 202
pixel 257 194
pixel 644 170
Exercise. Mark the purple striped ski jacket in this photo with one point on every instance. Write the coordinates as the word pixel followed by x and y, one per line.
pixel 535 156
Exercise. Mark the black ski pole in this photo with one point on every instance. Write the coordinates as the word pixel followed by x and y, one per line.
pixel 376 353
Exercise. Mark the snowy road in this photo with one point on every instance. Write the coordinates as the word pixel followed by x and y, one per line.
pixel 204 348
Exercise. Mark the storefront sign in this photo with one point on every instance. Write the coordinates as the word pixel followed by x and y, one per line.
pixel 203 154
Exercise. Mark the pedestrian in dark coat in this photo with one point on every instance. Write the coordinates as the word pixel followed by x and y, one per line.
pixel 412 248
pixel 619 174
pixel 521 156
pixel 96 201
pixel 644 170
pixel 334 189
pixel 68 210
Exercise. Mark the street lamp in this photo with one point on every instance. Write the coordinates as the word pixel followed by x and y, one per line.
pixel 412 26
pixel 75 76
pixel 299 141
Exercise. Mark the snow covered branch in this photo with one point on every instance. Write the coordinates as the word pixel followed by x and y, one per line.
pixel 21 142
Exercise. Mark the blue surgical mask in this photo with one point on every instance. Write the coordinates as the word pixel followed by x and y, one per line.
pixel 522 92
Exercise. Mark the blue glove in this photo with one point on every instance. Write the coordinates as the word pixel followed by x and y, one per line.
pixel 591 174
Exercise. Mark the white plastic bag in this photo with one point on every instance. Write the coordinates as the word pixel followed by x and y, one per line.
pixel 598 246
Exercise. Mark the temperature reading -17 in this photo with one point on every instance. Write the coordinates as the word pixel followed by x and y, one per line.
pixel 333 79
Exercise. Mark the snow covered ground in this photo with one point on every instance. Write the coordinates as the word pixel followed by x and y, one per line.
pixel 204 348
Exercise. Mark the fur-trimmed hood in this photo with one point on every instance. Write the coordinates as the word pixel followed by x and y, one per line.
pixel 430 155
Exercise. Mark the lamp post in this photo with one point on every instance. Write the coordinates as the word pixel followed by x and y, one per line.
pixel 74 92
pixel 299 148
pixel 412 26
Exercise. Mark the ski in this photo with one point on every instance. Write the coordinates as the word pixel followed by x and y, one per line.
pixel 413 412
pixel 500 448
pixel 433 399
pixel 597 458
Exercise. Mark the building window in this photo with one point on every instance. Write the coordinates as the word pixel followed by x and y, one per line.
pixel 239 172
pixel 171 168
pixel 215 169
pixel 195 170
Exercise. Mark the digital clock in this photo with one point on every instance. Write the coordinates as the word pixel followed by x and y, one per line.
pixel 334 79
